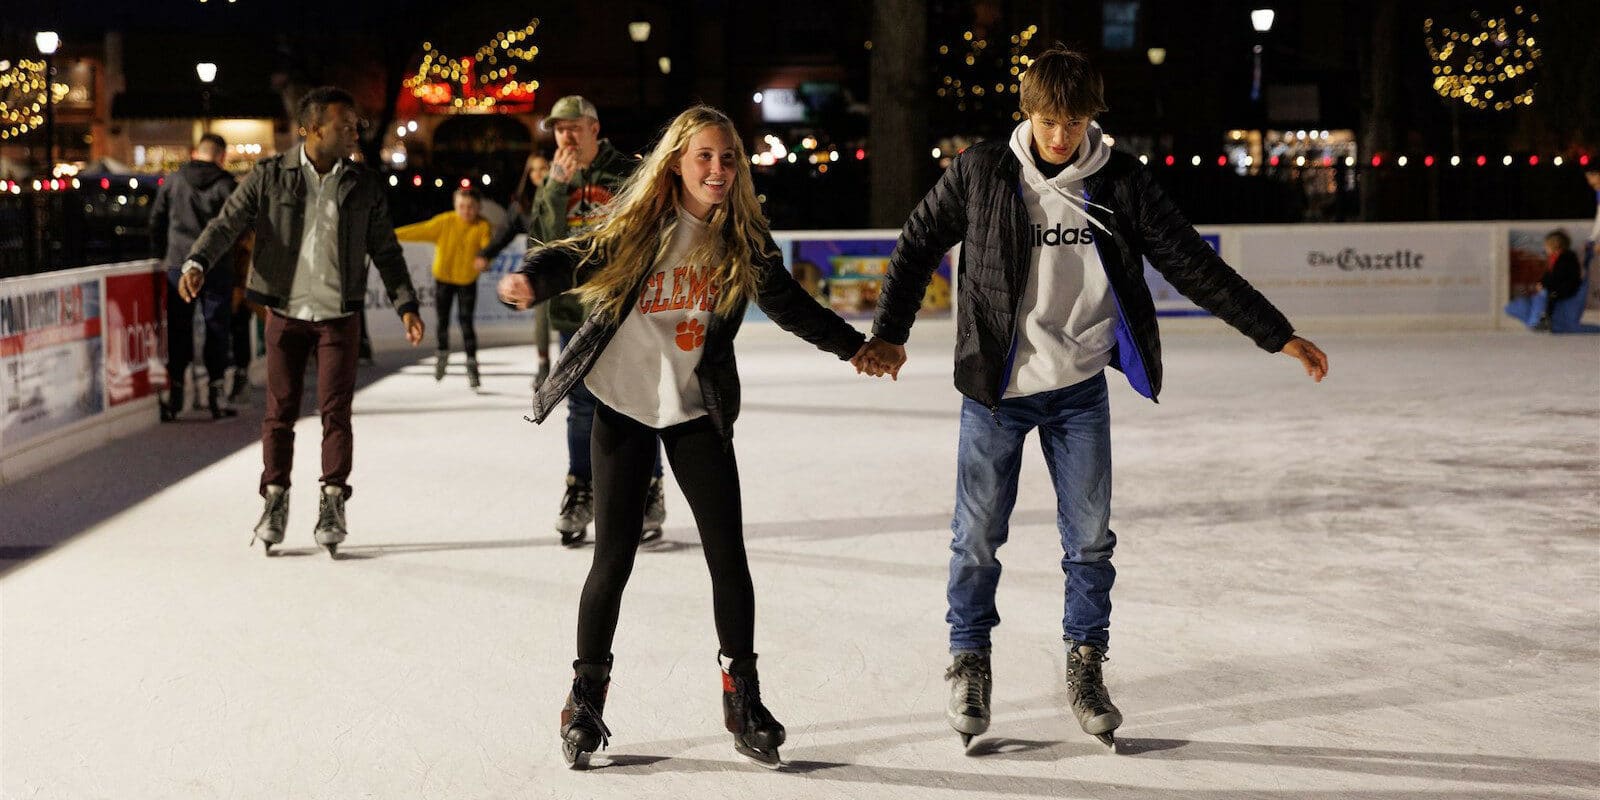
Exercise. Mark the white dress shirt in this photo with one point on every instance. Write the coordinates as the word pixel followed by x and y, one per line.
pixel 317 292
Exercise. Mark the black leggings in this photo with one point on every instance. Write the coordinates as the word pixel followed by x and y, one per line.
pixel 624 453
pixel 445 295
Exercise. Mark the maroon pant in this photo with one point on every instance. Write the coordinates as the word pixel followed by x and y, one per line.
pixel 290 343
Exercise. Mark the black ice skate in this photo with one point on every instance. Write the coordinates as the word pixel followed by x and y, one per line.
pixel 971 685
pixel 330 531
pixel 214 401
pixel 441 360
pixel 655 513
pixel 473 381
pixel 1086 690
pixel 756 735
pixel 274 518
pixel 577 511
pixel 582 729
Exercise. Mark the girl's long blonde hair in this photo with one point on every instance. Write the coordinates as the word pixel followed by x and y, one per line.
pixel 636 230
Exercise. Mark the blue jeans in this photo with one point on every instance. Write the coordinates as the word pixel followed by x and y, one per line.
pixel 1075 432
pixel 580 427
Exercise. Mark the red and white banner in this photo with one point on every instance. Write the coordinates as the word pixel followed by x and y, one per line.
pixel 135 336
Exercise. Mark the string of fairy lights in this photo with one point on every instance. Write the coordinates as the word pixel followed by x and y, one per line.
pixel 22 99
pixel 973 72
pixel 478 82
pixel 1486 66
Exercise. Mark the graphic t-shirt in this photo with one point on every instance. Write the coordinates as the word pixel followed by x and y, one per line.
pixel 648 370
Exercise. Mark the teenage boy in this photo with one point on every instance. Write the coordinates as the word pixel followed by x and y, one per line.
pixel 1053 225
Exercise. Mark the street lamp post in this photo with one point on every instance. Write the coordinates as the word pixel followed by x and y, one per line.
pixel 207 72
pixel 1157 57
pixel 48 42
pixel 639 32
pixel 1261 21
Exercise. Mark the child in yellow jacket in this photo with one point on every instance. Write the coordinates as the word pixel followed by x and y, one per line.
pixel 457 237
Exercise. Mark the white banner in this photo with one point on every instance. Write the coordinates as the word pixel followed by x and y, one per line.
pixel 50 355
pixel 493 321
pixel 1360 270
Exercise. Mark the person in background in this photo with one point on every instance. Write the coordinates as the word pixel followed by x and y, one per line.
pixel 320 217
pixel 1564 277
pixel 519 221
pixel 457 238
pixel 187 201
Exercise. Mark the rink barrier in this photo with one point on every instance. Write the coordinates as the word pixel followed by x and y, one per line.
pixel 82 355
pixel 82 351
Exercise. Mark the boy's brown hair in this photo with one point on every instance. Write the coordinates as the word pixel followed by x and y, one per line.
pixel 1560 237
pixel 1061 81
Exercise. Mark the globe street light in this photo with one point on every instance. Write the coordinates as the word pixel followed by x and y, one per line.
pixel 207 73
pixel 639 32
pixel 48 42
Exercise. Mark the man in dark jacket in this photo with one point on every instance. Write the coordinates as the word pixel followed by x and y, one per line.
pixel 187 200
pixel 318 218
pixel 1053 225
pixel 586 173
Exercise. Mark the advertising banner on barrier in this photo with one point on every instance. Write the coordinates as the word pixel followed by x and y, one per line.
pixel 1360 270
pixel 135 336
pixel 384 325
pixel 50 357
pixel 1169 301
pixel 847 271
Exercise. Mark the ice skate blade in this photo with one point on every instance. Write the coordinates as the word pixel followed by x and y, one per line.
pixel 968 741
pixel 762 758
pixel 1109 740
pixel 333 550
pixel 650 536
pixel 573 538
pixel 576 759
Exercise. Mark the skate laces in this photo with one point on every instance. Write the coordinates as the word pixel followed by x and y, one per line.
pixel 576 496
pixel 971 672
pixel 1085 679
pixel 747 695
pixel 584 712
pixel 327 513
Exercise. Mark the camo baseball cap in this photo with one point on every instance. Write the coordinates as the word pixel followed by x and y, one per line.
pixel 570 107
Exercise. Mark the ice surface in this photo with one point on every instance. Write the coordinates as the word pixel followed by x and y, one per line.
pixel 1387 585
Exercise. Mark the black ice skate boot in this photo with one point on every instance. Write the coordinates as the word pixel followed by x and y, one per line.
pixel 577 511
pixel 274 517
pixel 214 401
pixel 655 512
pixel 971 686
pixel 756 735
pixel 172 404
pixel 1086 690
pixel 472 373
pixel 331 529
pixel 582 729
pixel 441 360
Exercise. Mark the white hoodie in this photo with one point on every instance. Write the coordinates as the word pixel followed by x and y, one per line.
pixel 1066 323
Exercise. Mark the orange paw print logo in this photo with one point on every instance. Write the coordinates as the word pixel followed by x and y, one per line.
pixel 691 334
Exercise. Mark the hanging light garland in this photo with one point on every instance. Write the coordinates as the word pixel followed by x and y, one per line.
pixel 484 81
pixel 22 99
pixel 1487 67
pixel 968 79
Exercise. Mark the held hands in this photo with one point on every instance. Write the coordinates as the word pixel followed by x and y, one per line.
pixel 878 358
pixel 190 284
pixel 414 327
pixel 1310 356
pixel 515 290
